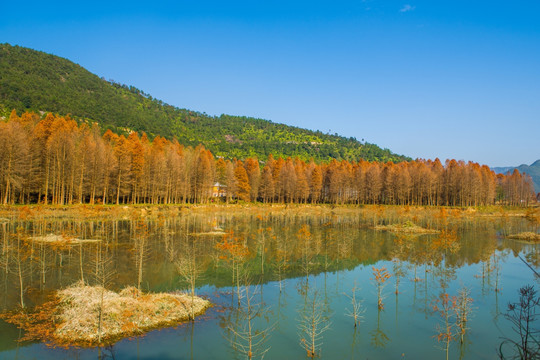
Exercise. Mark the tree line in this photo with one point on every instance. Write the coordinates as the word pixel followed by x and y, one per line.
pixel 54 160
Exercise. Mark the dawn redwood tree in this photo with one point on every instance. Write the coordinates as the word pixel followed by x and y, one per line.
pixel 315 186
pixel 14 159
pixel 287 180
pixel 96 152
pixel 203 175
pixel 253 172
pixel 221 171
pixel 302 186
pixel 229 173
pixel 276 174
pixel 54 159
pixel 41 133
pixel 242 189
pixel 266 188
pixel 137 165
pixel 373 183
pixel 122 155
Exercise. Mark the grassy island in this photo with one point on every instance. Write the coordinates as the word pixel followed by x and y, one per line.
pixel 526 236
pixel 406 228
pixel 85 315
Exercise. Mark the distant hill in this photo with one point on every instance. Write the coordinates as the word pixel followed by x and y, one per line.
pixel 533 170
pixel 34 80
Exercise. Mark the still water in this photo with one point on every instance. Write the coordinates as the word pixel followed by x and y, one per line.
pixel 295 266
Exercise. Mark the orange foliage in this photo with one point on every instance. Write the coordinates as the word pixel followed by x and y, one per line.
pixel 63 162
pixel 233 248
pixel 39 325
pixel 380 275
pixel 447 240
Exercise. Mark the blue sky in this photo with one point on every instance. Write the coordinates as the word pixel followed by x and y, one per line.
pixel 427 79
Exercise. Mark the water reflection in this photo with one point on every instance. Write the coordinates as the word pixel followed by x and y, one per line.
pixel 272 275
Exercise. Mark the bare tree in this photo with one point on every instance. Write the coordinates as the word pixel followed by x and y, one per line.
pixel 247 338
pixel 463 311
pixel 140 248
pixel 312 326
pixel 188 269
pixel 524 316
pixel 356 309
pixel 103 276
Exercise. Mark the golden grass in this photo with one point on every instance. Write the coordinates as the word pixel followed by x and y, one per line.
pixel 61 239
pixel 406 228
pixel 74 315
pixel 209 233
pixel 126 212
pixel 527 236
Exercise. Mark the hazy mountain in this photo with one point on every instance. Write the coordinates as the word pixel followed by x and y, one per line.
pixel 533 170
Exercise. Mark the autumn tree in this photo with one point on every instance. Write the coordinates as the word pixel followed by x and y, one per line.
pixel 55 159
pixel 253 172
pixel 14 159
pixel 242 189
pixel 266 188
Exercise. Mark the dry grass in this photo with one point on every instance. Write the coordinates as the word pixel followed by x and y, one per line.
pixel 62 240
pixel 406 228
pixel 74 316
pixel 209 233
pixel 126 212
pixel 527 236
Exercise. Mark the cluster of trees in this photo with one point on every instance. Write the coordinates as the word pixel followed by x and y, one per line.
pixel 55 160
pixel 33 80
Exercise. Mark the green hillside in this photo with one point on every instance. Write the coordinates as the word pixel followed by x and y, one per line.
pixel 34 80
pixel 533 170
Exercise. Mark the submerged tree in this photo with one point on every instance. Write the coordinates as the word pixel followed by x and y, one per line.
pixel 189 270
pixel 235 252
pixel 356 310
pixel 23 254
pixel 525 317
pixel 313 324
pixel 444 306
pixel 379 338
pixel 380 276
pixel 306 249
pixel 454 312
pixel 140 248
pixel 463 311
pixel 248 338
pixel 282 261
pixel 103 276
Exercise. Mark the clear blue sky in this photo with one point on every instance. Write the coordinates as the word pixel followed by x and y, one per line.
pixel 448 79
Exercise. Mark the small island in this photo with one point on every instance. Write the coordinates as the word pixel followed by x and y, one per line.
pixel 84 315
pixel 526 236
pixel 406 228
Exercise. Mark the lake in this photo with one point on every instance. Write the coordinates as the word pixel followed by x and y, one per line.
pixel 297 267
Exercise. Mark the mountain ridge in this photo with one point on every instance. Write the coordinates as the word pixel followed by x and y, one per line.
pixel 533 170
pixel 38 81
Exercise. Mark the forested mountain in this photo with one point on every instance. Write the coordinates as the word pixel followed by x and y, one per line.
pixel 34 80
pixel 533 170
